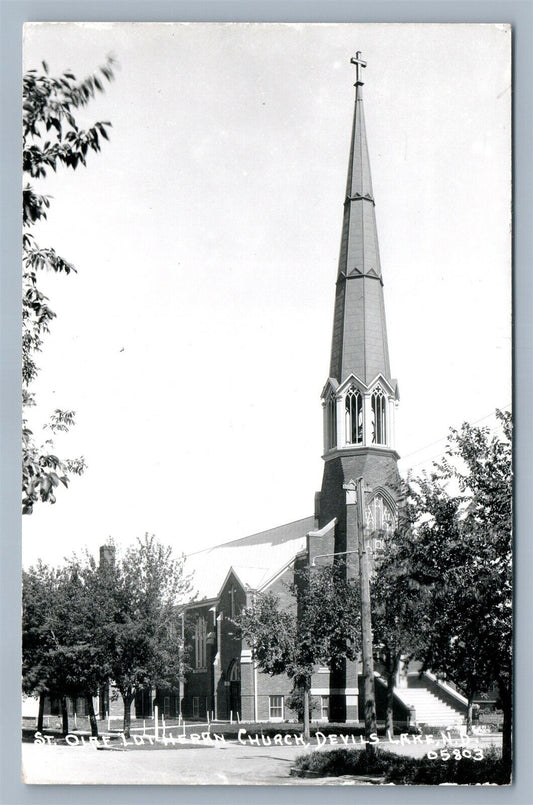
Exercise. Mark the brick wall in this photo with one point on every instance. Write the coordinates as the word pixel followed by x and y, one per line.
pixel 379 469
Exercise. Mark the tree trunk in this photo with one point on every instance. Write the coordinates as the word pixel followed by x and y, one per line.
pixel 64 714
pixel 393 660
pixel 469 708
pixel 307 732
pixel 92 717
pixel 389 719
pixel 40 716
pixel 127 698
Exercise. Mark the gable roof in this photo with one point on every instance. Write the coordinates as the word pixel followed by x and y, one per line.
pixel 255 559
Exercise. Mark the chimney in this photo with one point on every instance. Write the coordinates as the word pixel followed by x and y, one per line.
pixel 107 555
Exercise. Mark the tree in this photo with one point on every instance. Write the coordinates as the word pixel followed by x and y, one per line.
pixel 51 137
pixel 85 625
pixel 137 598
pixel 38 586
pixel 399 607
pixel 322 628
pixel 60 654
pixel 460 552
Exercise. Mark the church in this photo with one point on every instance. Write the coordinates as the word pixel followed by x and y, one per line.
pixel 360 398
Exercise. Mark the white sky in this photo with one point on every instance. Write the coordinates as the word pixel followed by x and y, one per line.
pixel 194 341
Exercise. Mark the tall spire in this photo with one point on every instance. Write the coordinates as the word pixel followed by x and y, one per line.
pixel 359 343
pixel 359 399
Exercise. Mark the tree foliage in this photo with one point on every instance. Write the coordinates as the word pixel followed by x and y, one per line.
pixel 139 630
pixel 321 628
pixel 87 624
pixel 51 138
pixel 399 607
pixel 60 655
pixel 458 556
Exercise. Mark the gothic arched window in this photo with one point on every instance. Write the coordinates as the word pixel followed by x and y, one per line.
pixel 353 412
pixel 380 521
pixel 200 636
pixel 235 671
pixel 379 417
pixel 331 421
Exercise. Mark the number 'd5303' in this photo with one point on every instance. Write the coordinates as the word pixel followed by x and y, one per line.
pixel 455 754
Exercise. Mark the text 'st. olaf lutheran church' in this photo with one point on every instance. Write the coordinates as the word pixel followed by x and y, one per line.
pixel 359 401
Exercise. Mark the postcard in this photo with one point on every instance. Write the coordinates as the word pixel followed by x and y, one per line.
pixel 267 470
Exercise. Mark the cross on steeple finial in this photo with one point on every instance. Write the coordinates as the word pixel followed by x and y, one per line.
pixel 357 60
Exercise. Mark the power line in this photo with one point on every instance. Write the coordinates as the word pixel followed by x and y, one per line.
pixel 443 438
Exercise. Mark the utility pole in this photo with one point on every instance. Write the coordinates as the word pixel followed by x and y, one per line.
pixel 366 618
pixel 307 728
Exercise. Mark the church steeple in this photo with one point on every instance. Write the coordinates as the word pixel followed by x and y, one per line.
pixel 360 395
pixel 359 398
pixel 359 344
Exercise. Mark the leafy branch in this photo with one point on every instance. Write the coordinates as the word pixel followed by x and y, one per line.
pixel 51 137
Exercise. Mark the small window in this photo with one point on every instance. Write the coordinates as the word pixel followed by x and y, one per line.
pixel 275 710
pixel 195 706
pixel 324 708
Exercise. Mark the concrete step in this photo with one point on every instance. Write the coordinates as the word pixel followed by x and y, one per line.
pixel 429 709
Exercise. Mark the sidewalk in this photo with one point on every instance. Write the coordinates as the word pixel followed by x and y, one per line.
pixel 231 764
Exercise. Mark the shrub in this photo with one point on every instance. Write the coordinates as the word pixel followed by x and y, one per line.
pixel 334 762
pixel 406 770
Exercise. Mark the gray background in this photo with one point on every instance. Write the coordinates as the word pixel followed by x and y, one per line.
pixel 13 14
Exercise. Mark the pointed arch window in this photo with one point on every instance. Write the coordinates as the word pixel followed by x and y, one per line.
pixel 331 421
pixel 380 522
pixel 379 516
pixel 353 413
pixel 378 405
pixel 235 671
pixel 200 642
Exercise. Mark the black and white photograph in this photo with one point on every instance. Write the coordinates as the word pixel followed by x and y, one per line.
pixel 266 404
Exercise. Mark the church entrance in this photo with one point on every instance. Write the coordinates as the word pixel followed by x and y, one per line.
pixel 234 677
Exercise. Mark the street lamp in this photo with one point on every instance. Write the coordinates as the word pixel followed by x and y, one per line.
pixel 322 555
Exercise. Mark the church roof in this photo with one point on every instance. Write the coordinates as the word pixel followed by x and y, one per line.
pixel 359 344
pixel 255 559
